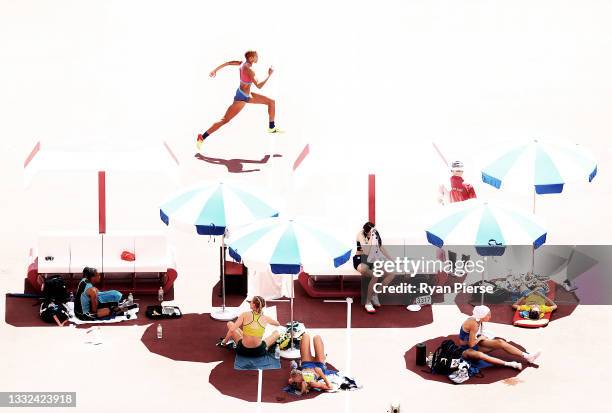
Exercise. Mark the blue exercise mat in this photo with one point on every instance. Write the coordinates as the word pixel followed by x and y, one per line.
pixel 265 362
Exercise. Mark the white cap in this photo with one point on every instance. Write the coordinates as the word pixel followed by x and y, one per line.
pixel 480 312
pixel 457 166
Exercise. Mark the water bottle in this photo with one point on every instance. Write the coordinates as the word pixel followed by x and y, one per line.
pixel 160 294
pixel 130 299
pixel 159 331
pixel 429 359
pixel 277 352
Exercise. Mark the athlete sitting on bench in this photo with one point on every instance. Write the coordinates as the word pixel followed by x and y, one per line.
pixel 534 306
pixel 90 303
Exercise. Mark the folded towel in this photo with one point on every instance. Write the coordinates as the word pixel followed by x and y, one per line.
pixel 265 362
pixel 116 319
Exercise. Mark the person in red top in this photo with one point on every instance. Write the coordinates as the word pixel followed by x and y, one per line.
pixel 460 191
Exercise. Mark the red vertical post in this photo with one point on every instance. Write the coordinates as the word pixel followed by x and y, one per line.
pixel 372 198
pixel 102 201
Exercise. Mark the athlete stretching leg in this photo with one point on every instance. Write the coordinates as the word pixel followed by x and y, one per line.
pixel 243 95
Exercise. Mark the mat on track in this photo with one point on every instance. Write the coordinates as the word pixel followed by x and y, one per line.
pixel 504 313
pixel 490 374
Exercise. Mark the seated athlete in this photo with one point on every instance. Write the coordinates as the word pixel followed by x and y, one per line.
pixel 534 306
pixel 370 247
pixel 248 330
pixel 476 345
pixel 90 303
pixel 313 368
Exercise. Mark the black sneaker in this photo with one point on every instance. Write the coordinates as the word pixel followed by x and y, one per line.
pixel 230 345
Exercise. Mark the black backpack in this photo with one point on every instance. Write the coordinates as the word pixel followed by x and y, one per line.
pixel 50 309
pixel 54 289
pixel 446 358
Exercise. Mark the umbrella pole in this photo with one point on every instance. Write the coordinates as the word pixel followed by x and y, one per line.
pixel 291 352
pixel 223 270
pixel 532 246
pixel 224 314
pixel 292 294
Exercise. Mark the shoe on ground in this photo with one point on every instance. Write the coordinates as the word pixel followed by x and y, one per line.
pixel 275 130
pixel 533 356
pixel 515 365
pixel 370 308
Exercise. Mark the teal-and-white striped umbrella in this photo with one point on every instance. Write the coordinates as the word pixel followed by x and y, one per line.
pixel 543 165
pixel 287 246
pixel 489 227
pixel 484 224
pixel 211 207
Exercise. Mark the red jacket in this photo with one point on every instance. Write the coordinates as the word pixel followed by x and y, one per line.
pixel 460 191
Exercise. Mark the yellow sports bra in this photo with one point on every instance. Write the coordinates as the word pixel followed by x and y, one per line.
pixel 308 375
pixel 253 329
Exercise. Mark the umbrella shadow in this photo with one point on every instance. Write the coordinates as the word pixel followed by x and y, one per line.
pixel 237 166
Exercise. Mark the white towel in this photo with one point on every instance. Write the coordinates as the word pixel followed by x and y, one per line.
pixel 73 319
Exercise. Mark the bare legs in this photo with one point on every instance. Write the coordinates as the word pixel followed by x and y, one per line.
pixel 263 100
pixel 237 106
pixel 232 111
pixel 366 271
pixel 236 335
pixel 305 353
pixel 489 345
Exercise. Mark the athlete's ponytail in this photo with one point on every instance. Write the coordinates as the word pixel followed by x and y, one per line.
pixel 259 302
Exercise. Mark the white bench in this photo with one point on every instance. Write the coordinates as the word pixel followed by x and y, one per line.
pixel 68 252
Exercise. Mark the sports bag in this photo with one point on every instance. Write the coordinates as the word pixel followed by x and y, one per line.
pixel 54 289
pixel 446 358
pixel 50 310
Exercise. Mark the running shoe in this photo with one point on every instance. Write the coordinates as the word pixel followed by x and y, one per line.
pixel 275 130
pixel 515 365
pixel 533 356
pixel 199 142
pixel 370 308
pixel 230 343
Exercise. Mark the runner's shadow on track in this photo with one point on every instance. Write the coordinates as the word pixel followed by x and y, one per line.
pixel 236 166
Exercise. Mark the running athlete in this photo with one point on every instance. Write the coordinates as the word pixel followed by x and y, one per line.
pixel 243 95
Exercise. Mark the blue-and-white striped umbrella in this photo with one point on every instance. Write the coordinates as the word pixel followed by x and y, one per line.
pixel 288 246
pixel 541 165
pixel 211 207
pixel 285 246
pixel 482 224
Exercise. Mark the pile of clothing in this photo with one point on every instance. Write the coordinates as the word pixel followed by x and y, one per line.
pixel 523 284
